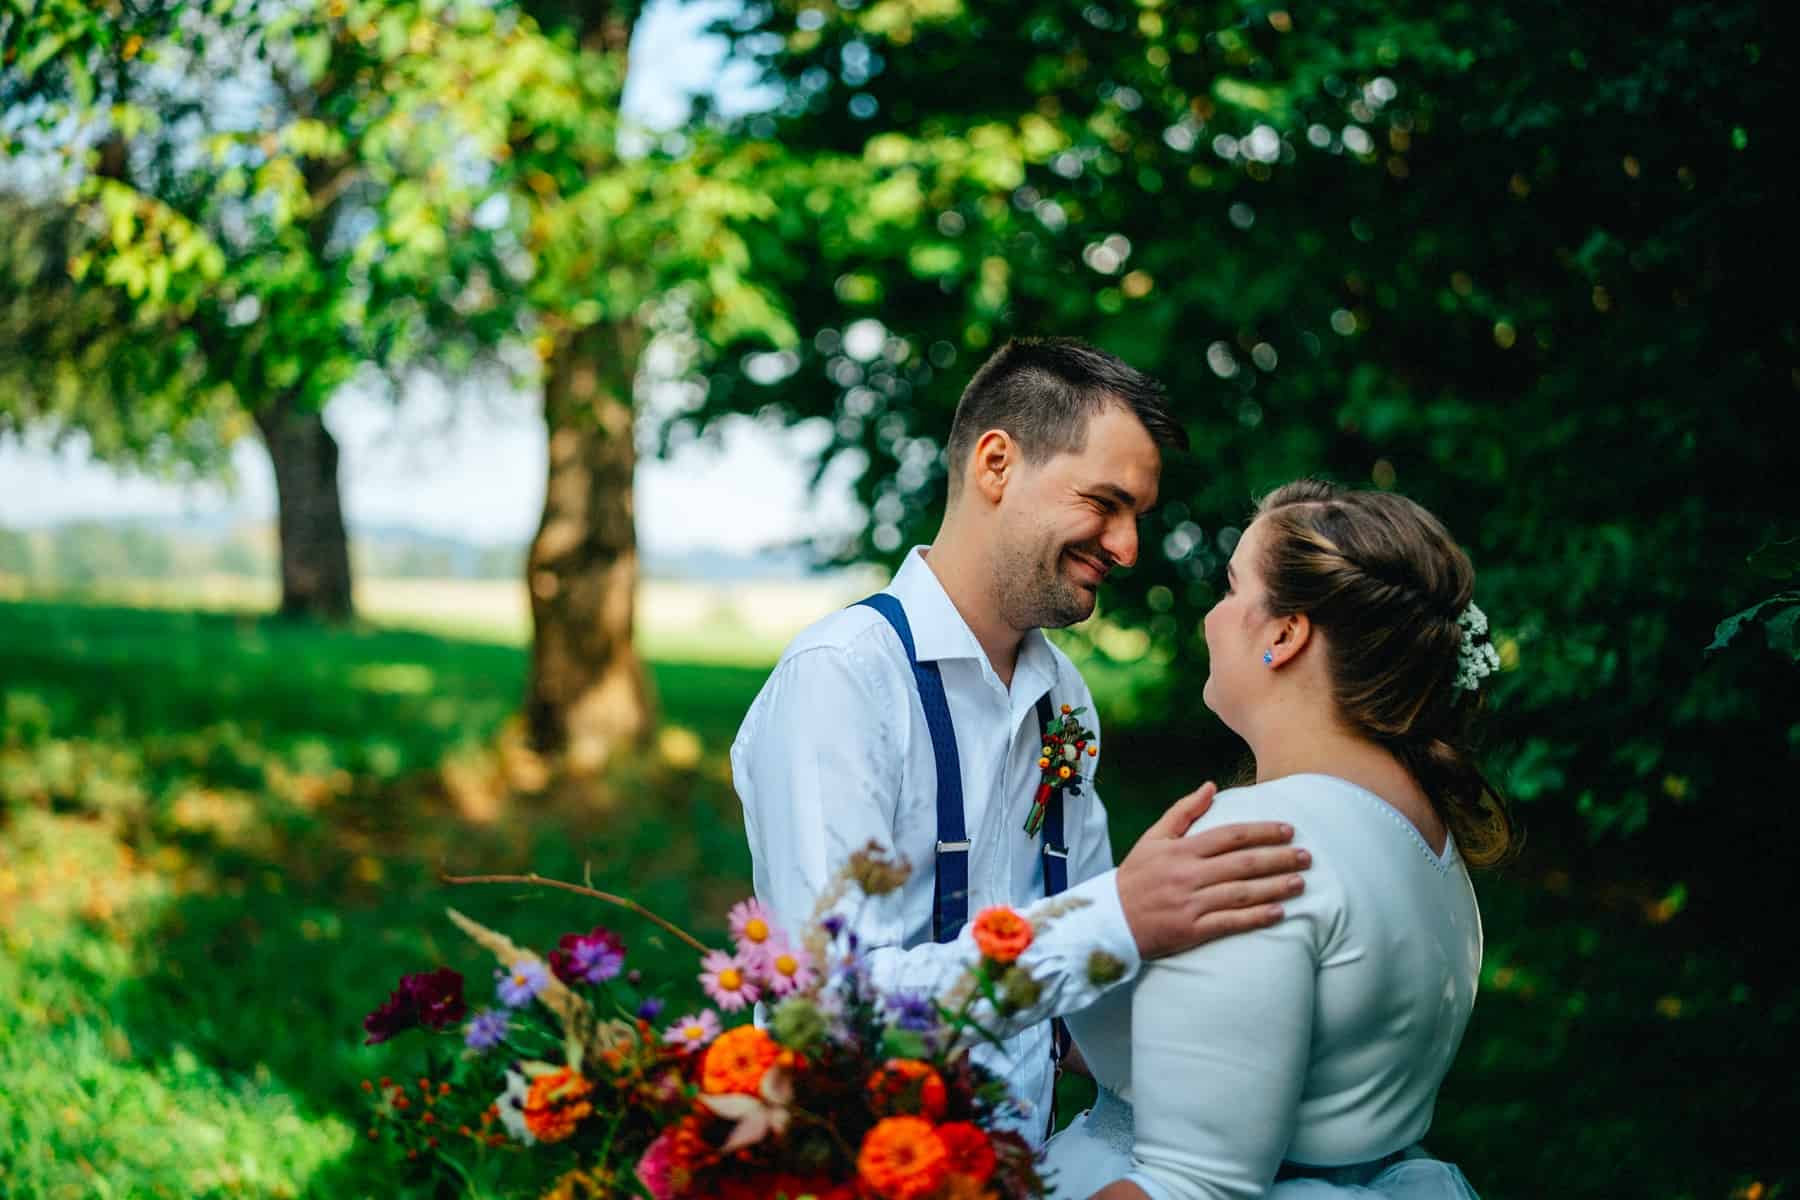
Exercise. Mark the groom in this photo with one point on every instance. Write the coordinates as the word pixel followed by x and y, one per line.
pixel 915 719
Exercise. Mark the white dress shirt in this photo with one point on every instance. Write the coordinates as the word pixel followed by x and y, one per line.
pixel 1321 1040
pixel 835 753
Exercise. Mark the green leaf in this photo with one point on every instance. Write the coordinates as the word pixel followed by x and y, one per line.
pixel 1777 559
pixel 40 54
pixel 81 78
pixel 1733 625
pixel 902 1043
pixel 1783 632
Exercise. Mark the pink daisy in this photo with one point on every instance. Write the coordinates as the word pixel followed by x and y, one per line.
pixel 789 967
pixel 752 927
pixel 694 1031
pixel 729 980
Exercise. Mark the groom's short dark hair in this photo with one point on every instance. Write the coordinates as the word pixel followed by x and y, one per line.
pixel 1044 391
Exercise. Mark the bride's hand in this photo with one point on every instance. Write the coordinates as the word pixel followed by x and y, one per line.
pixel 1180 892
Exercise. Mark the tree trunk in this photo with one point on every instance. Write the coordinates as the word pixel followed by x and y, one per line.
pixel 588 694
pixel 315 552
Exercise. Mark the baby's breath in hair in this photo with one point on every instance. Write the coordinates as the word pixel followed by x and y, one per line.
pixel 1476 658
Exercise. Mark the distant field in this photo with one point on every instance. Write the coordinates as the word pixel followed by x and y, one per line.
pixel 747 621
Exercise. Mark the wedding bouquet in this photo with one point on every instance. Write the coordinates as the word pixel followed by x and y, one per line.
pixel 842 1092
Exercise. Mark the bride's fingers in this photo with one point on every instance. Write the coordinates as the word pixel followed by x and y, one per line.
pixel 1184 812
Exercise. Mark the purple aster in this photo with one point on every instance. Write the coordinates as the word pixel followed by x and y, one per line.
pixel 433 999
pixel 913 1011
pixel 597 961
pixel 521 985
pixel 592 957
pixel 486 1031
pixel 650 1009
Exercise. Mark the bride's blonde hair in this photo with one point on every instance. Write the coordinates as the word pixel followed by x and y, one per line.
pixel 1382 579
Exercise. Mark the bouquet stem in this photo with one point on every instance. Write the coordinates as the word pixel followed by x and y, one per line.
pixel 536 880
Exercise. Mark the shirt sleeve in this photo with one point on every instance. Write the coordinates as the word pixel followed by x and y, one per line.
pixel 1221 1040
pixel 818 766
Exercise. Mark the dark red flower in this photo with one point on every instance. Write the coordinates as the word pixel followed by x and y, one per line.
pixel 433 999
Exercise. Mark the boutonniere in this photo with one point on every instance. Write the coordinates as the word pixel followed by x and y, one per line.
pixel 1065 742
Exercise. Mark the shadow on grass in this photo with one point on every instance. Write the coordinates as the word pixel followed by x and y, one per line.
pixel 266 800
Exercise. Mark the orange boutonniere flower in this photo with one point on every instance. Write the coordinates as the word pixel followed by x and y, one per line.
pixel 902 1159
pixel 1059 766
pixel 1002 934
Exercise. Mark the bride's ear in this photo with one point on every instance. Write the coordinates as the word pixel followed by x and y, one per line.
pixel 1291 638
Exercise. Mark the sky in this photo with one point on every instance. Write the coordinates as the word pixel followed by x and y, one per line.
pixel 477 471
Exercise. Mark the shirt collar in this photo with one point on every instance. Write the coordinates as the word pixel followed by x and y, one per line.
pixel 939 631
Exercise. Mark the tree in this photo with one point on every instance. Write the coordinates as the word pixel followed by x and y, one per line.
pixel 449 178
pixel 1510 259
pixel 262 210
pixel 623 244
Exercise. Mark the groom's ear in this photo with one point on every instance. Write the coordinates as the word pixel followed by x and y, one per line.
pixel 993 464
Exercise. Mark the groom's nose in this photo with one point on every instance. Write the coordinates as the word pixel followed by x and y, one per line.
pixel 1120 541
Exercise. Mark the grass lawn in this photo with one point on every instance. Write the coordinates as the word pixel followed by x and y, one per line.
pixel 219 840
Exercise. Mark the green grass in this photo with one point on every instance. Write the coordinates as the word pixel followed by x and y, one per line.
pixel 219 848
pixel 219 841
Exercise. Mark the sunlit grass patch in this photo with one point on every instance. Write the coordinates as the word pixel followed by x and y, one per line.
pixel 217 851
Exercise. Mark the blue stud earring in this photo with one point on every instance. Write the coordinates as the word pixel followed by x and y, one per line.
pixel 1268 658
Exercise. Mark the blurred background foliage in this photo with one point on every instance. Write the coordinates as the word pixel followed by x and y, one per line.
pixel 1530 263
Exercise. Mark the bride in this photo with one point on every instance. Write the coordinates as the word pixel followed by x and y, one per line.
pixel 1304 1060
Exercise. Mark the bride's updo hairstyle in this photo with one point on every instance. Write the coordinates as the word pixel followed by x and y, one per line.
pixel 1381 578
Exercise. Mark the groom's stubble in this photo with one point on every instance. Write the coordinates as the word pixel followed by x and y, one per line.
pixel 1030 588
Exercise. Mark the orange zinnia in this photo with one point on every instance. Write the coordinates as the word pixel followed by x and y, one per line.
pixel 1002 934
pixel 902 1159
pixel 556 1103
pixel 736 1060
pixel 971 1154
pixel 908 1086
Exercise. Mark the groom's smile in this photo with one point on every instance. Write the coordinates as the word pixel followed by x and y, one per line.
pixel 1090 570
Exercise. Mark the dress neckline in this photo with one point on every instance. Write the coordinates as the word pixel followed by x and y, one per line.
pixel 1441 861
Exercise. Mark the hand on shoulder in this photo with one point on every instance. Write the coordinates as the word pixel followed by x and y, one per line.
pixel 1179 892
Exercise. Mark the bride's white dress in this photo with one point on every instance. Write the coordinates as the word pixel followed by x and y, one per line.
pixel 1302 1060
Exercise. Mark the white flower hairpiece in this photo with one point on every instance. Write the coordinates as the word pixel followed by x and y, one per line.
pixel 1475 660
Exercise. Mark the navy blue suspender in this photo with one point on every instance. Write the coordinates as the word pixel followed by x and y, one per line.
pixel 1056 850
pixel 950 896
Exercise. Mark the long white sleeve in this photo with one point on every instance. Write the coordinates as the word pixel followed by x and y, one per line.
pixel 1221 1039
pixel 819 766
